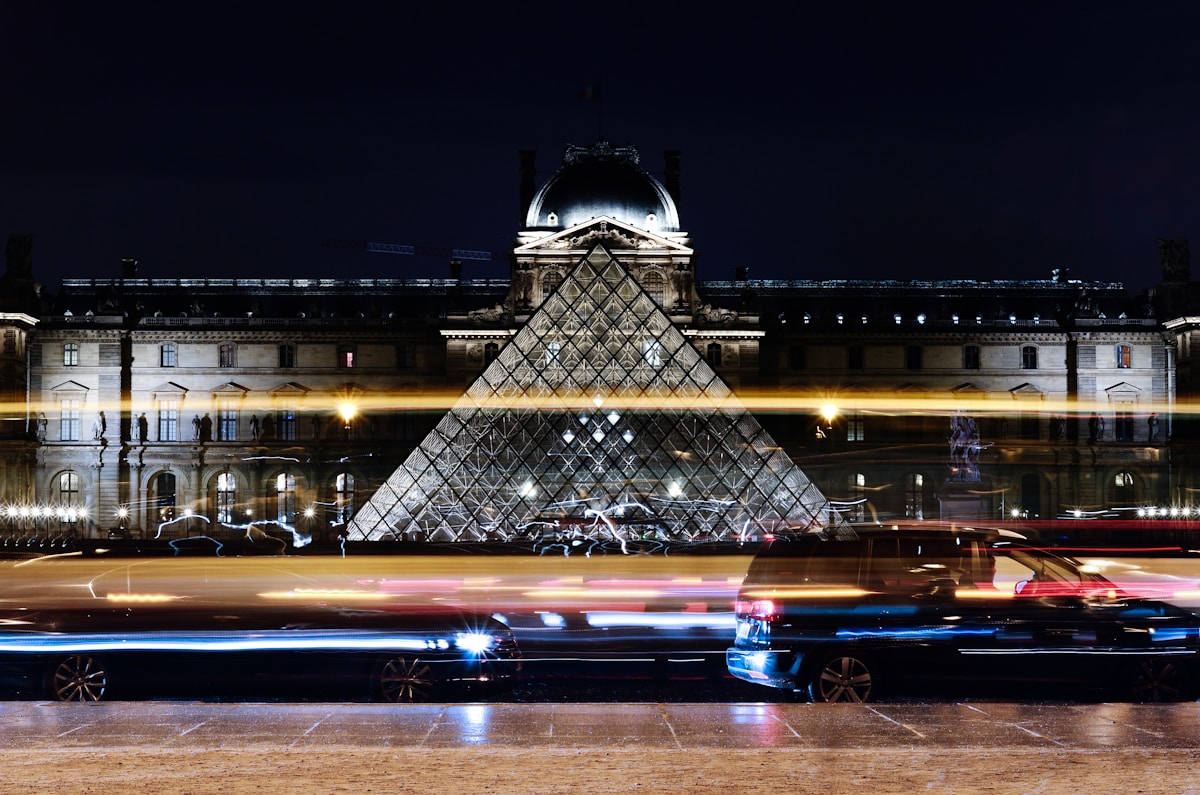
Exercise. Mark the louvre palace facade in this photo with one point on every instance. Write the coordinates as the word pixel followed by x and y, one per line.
pixel 607 384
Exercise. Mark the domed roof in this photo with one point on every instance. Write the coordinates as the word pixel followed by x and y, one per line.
pixel 602 180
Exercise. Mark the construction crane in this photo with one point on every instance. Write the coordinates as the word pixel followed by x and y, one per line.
pixel 419 251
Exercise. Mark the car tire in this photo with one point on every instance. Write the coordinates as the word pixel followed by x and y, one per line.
pixel 406 679
pixel 842 676
pixel 1160 679
pixel 79 677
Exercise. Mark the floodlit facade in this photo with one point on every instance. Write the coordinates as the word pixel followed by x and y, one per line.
pixel 454 409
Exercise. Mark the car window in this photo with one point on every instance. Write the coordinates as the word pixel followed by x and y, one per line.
pixel 915 564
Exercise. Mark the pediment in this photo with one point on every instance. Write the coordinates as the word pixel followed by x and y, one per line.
pixel 604 230
pixel 230 389
pixel 1026 390
pixel 968 389
pixel 70 386
pixel 1123 388
pixel 288 388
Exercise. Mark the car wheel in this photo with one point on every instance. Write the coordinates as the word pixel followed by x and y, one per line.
pixel 845 677
pixel 1160 679
pixel 80 677
pixel 405 680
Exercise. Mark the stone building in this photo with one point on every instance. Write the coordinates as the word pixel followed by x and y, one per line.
pixel 167 407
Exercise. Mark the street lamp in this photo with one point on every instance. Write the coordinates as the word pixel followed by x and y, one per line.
pixel 829 412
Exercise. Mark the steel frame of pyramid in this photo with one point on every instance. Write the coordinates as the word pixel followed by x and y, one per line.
pixel 597 420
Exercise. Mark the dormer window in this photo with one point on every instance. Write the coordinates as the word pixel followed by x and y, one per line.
pixel 552 219
pixel 651 221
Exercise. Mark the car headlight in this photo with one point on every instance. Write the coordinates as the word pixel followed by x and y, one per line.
pixel 474 642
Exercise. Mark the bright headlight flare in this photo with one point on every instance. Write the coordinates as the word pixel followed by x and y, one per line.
pixel 474 642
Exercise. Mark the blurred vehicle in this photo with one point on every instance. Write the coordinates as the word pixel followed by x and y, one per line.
pixel 896 606
pixel 95 653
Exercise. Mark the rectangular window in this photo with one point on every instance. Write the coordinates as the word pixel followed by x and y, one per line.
pixel 70 419
pixel 287 356
pixel 227 421
pixel 286 423
pixel 166 355
pixel 1123 422
pixel 71 354
pixel 912 357
pixel 854 427
pixel 713 354
pixel 796 357
pixel 854 357
pixel 227 355
pixel 345 356
pixel 971 357
pixel 406 356
pixel 1029 358
pixel 168 420
pixel 1124 356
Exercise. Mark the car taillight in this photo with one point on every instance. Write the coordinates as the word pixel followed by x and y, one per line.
pixel 763 610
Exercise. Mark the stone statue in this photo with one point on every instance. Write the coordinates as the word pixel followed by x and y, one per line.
pixel 681 281
pixel 143 427
pixel 254 426
pixel 964 449
pixel 523 285
pixel 99 426
pixel 196 427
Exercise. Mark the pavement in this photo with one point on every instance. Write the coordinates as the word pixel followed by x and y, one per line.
pixel 153 747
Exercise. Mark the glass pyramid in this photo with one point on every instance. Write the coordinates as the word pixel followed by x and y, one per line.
pixel 597 420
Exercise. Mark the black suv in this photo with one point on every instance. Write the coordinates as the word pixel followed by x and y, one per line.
pixel 837 618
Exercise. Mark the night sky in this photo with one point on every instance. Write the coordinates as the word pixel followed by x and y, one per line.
pixel 819 140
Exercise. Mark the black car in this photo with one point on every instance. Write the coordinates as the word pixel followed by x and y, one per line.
pixel 94 653
pixel 841 618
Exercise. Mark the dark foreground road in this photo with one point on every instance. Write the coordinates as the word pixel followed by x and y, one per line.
pixel 966 747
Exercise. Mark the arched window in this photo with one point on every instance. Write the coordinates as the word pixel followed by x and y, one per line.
pixel 164 496
pixel 226 496
pixel 914 495
pixel 856 488
pixel 345 496
pixel 652 283
pixel 550 282
pixel 285 498
pixel 69 496
pixel 1123 492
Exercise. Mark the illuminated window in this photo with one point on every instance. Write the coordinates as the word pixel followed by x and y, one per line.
pixel 856 485
pixel 1029 357
pixel 550 282
pixel 68 491
pixel 712 354
pixel 652 283
pixel 164 496
pixel 227 421
pixel 914 496
pixel 69 419
pixel 168 420
pixel 971 357
pixel 345 356
pixel 227 355
pixel 1124 490
pixel 285 498
pixel 226 496
pixel 166 355
pixel 71 354
pixel 285 423
pixel 854 427
pixel 345 496
pixel 287 356
pixel 1124 356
